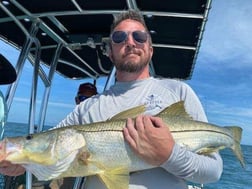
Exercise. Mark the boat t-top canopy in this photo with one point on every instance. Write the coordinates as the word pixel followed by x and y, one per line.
pixel 70 37
pixel 73 34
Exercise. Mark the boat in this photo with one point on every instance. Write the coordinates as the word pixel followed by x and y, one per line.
pixel 70 38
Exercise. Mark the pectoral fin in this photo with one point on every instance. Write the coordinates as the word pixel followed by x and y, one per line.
pixel 116 179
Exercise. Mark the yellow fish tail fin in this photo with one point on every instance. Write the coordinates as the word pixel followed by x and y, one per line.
pixel 237 134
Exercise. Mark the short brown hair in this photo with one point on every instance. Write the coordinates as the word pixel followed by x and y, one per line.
pixel 132 14
pixel 129 14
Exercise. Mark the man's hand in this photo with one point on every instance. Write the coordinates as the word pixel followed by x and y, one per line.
pixel 150 138
pixel 6 168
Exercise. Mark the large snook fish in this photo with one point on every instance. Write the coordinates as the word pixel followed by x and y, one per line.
pixel 99 148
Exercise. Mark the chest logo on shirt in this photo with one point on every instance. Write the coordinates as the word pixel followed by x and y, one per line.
pixel 152 102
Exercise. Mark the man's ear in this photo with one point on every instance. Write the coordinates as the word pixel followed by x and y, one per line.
pixel 151 50
pixel 111 55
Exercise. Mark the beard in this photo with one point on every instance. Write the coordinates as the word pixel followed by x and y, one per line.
pixel 132 66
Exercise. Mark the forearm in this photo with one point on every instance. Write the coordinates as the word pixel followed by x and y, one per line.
pixel 193 167
pixel 71 119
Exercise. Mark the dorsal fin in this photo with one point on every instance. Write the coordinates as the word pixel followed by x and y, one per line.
pixel 177 109
pixel 130 113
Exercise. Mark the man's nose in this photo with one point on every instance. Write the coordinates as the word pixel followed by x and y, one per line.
pixel 130 41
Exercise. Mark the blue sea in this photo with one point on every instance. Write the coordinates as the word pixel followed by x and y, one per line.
pixel 234 176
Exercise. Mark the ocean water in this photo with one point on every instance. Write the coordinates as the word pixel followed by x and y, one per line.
pixel 233 177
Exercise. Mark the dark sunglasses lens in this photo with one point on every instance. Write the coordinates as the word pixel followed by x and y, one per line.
pixel 119 36
pixel 82 98
pixel 140 36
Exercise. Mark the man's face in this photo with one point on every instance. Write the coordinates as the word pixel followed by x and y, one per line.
pixel 130 55
pixel 83 95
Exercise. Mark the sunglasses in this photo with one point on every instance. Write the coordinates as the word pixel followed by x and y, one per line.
pixel 82 97
pixel 121 36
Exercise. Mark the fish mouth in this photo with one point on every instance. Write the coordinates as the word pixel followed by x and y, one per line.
pixel 3 153
pixel 7 148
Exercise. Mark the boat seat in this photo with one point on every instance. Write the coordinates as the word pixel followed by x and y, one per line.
pixel 7 72
pixel 7 76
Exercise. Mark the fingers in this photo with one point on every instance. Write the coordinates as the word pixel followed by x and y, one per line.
pixel 5 164
pixel 12 169
pixel 7 168
pixel 150 138
pixel 130 133
pixel 134 131
pixel 139 126
pixel 156 121
pixel 147 122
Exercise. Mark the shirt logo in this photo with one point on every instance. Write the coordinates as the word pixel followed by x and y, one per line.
pixel 153 102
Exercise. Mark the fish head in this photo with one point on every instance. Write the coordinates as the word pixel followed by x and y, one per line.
pixel 30 148
pixel 46 148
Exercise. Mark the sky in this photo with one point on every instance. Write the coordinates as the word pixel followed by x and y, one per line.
pixel 221 78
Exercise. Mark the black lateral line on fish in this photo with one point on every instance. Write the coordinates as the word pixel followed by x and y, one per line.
pixel 104 130
pixel 200 130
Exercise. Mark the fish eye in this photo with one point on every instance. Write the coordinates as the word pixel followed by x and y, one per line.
pixel 29 137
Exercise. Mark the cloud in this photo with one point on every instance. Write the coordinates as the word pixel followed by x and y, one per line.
pixel 227 35
pixel 61 105
pixel 56 111
pixel 53 104
pixel 217 107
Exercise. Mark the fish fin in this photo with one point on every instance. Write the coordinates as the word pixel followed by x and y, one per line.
pixel 130 113
pixel 209 149
pixel 56 183
pixel 236 148
pixel 177 109
pixel 116 179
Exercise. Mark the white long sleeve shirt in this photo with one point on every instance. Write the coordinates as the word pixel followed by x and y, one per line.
pixel 155 94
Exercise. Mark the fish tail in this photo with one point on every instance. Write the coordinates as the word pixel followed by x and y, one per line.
pixel 237 134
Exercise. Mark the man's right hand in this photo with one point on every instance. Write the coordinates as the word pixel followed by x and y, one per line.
pixel 9 169
pixel 150 138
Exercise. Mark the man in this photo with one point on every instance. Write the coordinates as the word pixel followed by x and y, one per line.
pixel 85 91
pixel 131 52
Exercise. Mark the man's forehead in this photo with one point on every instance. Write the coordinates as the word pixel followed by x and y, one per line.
pixel 129 23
